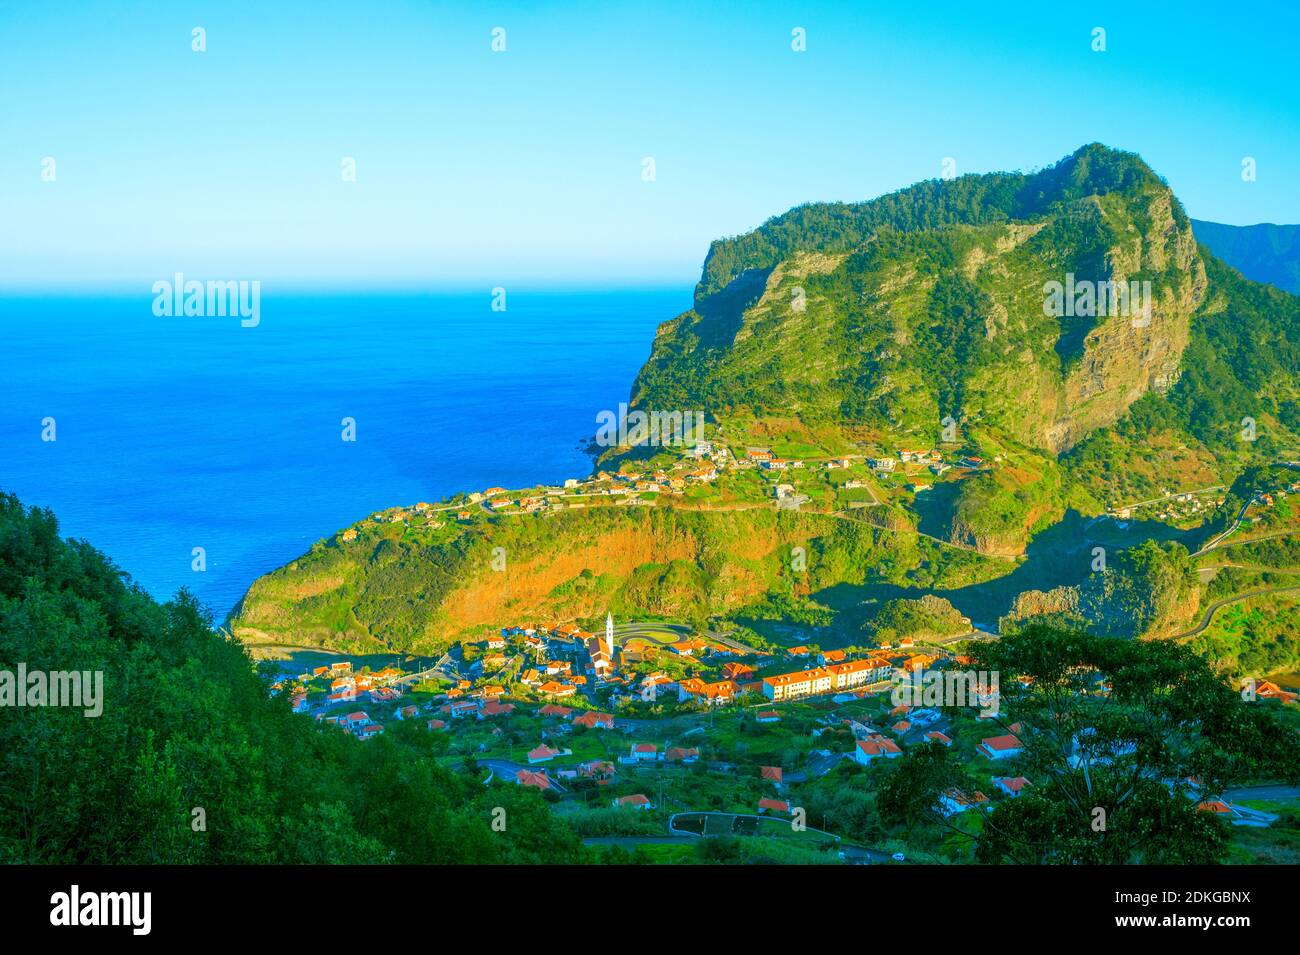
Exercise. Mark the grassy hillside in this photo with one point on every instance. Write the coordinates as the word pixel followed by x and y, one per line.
pixel 408 588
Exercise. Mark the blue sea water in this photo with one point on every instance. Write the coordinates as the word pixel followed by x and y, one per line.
pixel 176 433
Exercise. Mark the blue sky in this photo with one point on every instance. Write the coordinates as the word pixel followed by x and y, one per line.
pixel 476 167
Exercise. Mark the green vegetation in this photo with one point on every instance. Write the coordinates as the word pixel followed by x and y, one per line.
pixel 393 588
pixel 190 762
pixel 1112 731
pixel 927 618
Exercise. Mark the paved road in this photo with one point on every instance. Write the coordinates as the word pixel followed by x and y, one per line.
pixel 507 771
pixel 1270 793
pixel 1214 607
pixel 817 767
pixel 1231 527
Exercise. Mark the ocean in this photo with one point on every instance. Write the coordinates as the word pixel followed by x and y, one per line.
pixel 182 432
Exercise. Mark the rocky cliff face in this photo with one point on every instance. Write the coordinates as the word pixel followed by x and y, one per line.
pixel 895 324
pixel 1127 355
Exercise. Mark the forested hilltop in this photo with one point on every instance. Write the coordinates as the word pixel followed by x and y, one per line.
pixel 885 318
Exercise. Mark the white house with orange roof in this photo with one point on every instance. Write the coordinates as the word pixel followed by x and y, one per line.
pixel 875 747
pixel 1001 747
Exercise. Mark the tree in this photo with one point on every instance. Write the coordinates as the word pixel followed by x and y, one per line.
pixel 1122 740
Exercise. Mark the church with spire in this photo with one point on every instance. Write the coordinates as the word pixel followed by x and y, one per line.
pixel 602 652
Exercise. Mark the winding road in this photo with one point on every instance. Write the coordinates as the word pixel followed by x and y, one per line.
pixel 1214 607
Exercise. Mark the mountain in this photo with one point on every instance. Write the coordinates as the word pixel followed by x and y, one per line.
pixel 890 315
pixel 879 321
pixel 1263 253
pixel 964 316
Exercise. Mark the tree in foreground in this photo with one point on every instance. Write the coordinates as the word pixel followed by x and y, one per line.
pixel 1122 741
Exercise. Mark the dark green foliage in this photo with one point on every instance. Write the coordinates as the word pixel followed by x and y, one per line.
pixel 1130 752
pixel 187 724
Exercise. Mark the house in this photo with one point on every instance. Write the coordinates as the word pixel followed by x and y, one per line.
pixel 435 725
pixel 1001 747
pixel 644 752
pixel 1218 807
pixel 543 754
pixel 495 708
pixel 901 727
pixel 557 690
pixel 688 648
pixel 936 737
pixel 831 656
pixel 408 712
pixel 531 777
pixel 554 709
pixel 460 708
pixel 773 805
pixel 679 754
pixel 300 703
pixel 639 801
pixel 592 720
pixel 799 651
pixel 598 769
pixel 1011 785
pixel 924 717
pixel 737 671
pixel 834 678
pixel 353 720
pixel 772 773
pixel 713 694
pixel 344 667
pixel 369 730
pixel 875 747
pixel 652 683
pixel 1267 690
pixel 953 801
pixel 769 716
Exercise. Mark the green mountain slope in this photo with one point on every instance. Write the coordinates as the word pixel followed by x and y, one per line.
pixel 416 589
pixel 886 318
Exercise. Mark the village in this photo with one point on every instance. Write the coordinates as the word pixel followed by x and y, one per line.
pixel 710 474
pixel 688 732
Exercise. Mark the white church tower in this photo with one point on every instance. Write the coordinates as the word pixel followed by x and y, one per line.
pixel 609 635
